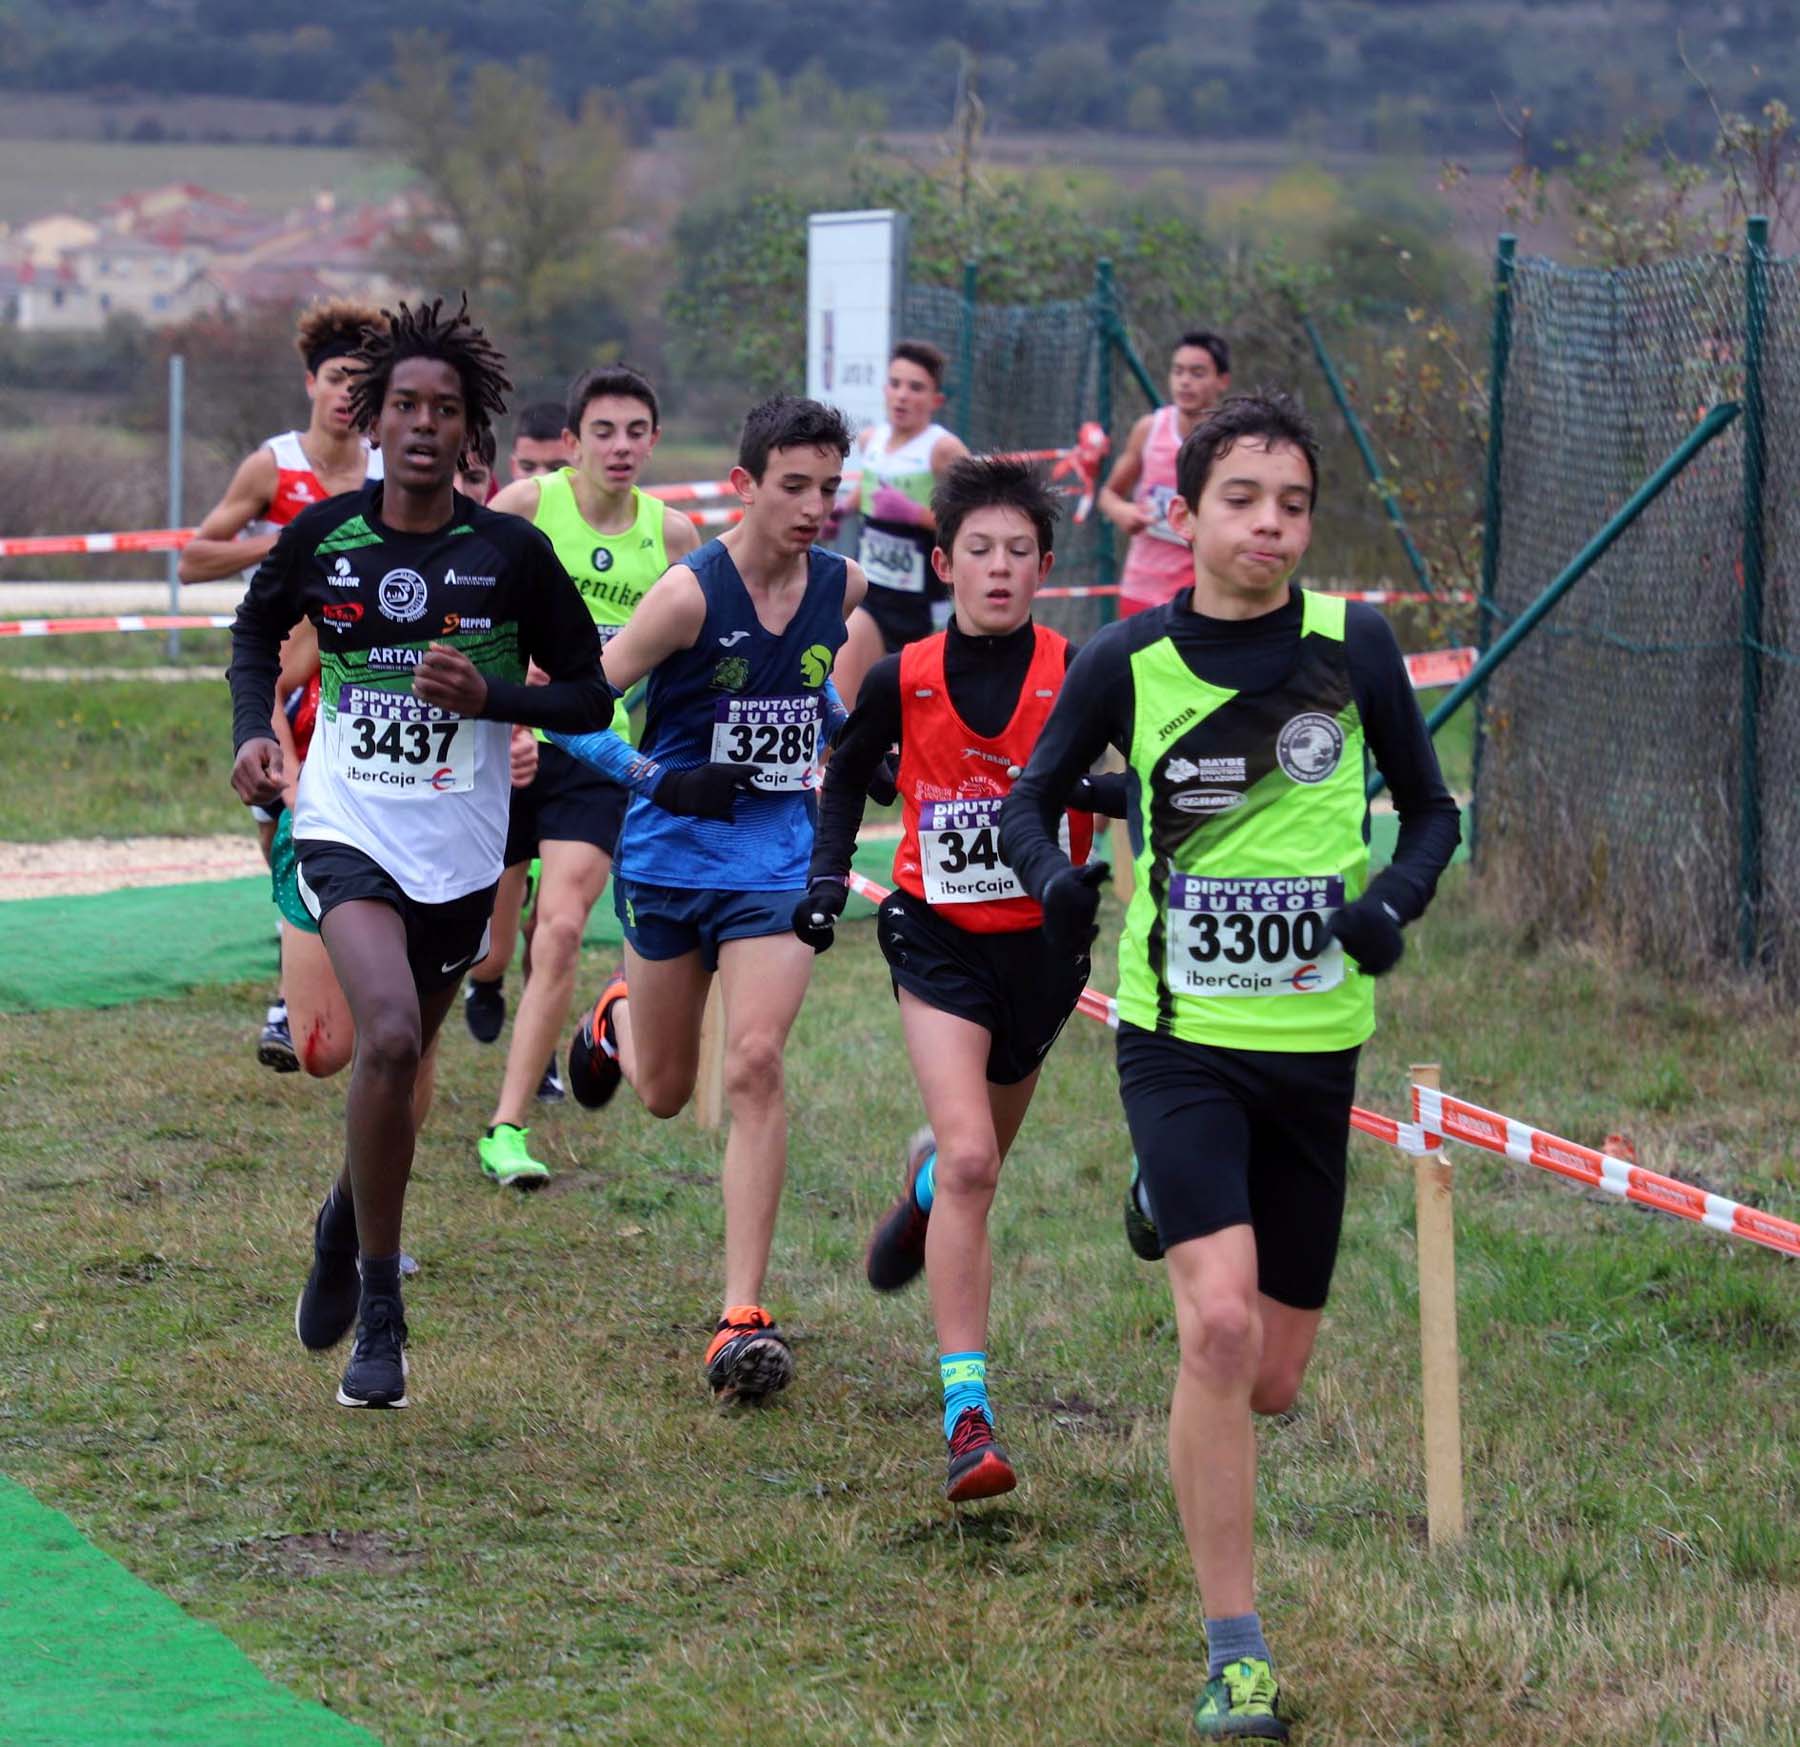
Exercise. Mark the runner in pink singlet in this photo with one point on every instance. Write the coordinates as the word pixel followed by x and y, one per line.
pixel 1136 495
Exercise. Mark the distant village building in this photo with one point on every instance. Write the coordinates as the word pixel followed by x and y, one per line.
pixel 165 255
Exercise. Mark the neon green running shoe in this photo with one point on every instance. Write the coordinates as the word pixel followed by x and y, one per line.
pixel 504 1158
pixel 1239 1704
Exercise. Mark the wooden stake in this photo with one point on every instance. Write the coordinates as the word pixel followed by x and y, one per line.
pixel 709 1088
pixel 1438 1353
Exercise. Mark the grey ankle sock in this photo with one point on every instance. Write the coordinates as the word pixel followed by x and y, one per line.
pixel 1228 1639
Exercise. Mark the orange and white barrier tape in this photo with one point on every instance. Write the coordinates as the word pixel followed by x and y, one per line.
pixel 1455 1119
pixel 1438 1117
pixel 173 539
pixel 93 545
pixel 118 622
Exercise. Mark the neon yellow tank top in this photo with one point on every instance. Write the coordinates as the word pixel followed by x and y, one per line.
pixel 613 571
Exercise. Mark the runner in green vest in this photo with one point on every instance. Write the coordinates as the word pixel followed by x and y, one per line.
pixel 614 539
pixel 1244 708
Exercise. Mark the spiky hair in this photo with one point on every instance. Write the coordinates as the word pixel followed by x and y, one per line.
pixel 426 332
pixel 338 322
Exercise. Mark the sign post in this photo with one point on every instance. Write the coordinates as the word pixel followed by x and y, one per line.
pixel 855 280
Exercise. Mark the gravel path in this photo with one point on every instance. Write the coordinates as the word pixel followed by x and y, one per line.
pixel 75 866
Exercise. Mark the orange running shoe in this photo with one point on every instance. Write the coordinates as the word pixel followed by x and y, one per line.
pixel 749 1358
pixel 594 1072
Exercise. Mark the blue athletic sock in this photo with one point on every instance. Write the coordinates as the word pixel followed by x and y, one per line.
pixel 1228 1639
pixel 964 1377
pixel 925 1183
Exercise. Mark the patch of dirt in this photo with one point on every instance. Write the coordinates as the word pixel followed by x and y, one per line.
pixel 74 866
pixel 331 1550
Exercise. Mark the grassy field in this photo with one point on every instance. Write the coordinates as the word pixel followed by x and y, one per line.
pixel 563 1541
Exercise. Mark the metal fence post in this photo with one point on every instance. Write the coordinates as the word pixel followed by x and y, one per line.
pixel 177 420
pixel 1499 358
pixel 1370 460
pixel 965 355
pixel 1750 845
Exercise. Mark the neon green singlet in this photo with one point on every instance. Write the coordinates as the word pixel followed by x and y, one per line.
pixel 1249 821
pixel 613 571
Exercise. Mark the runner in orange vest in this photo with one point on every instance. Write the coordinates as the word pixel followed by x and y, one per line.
pixel 981 1000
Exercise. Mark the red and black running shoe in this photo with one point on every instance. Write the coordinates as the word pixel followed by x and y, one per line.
pixel 979 1465
pixel 897 1250
pixel 749 1358
pixel 594 1072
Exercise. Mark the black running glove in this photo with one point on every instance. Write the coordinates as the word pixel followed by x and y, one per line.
pixel 1370 933
pixel 883 788
pixel 705 792
pixel 815 916
pixel 1071 902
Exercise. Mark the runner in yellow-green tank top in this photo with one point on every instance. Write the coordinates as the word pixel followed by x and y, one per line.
pixel 614 539
pixel 1247 710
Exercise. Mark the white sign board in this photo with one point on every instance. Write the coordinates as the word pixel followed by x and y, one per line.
pixel 855 275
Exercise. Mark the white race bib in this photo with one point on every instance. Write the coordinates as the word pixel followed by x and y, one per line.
pixel 779 737
pixel 1254 936
pixel 959 852
pixel 396 744
pixel 891 561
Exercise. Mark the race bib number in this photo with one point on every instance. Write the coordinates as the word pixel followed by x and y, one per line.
pixel 1156 500
pixel 891 561
pixel 1253 937
pixel 778 736
pixel 393 742
pixel 959 852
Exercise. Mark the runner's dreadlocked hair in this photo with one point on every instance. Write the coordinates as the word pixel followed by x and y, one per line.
pixel 426 333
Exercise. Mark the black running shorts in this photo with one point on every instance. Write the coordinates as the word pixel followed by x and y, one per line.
pixel 566 802
pixel 1011 985
pixel 442 940
pixel 904 616
pixel 1244 1137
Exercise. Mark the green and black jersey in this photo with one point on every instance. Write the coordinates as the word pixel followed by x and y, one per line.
pixel 421 790
pixel 1247 746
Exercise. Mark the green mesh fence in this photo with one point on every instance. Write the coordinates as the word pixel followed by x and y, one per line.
pixel 1611 791
pixel 1021 376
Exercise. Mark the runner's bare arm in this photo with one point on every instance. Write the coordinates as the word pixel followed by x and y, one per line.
pixel 668 618
pixel 1114 501
pixel 680 536
pixel 216 552
pixel 518 499
pixel 856 586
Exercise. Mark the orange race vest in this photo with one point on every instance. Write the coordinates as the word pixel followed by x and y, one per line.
pixel 952 781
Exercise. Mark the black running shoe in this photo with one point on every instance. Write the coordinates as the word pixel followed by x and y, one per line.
pixel 550 1087
pixel 897 1250
pixel 484 1009
pixel 326 1309
pixel 749 1358
pixel 594 1073
pixel 275 1048
pixel 1140 1229
pixel 979 1465
pixel 376 1374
